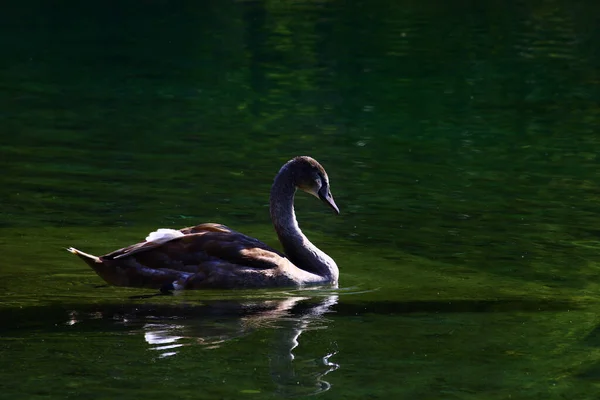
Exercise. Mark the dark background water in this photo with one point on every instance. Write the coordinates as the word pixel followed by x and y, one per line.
pixel 461 142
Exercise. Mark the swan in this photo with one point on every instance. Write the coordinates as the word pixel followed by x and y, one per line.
pixel 211 255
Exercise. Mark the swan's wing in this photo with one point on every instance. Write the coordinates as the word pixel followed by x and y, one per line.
pixel 201 245
pixel 148 245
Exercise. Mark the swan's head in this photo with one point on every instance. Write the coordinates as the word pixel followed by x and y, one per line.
pixel 311 177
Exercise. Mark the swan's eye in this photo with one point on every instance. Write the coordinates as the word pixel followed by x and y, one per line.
pixel 318 183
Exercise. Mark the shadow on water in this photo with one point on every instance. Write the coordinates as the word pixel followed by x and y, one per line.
pixel 268 310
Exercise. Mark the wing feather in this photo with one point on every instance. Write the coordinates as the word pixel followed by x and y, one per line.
pixel 202 245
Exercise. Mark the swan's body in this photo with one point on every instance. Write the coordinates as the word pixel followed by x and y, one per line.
pixel 214 256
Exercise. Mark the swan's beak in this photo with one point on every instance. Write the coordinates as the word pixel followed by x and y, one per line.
pixel 327 198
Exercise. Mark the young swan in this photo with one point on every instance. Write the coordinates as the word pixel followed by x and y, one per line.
pixel 213 256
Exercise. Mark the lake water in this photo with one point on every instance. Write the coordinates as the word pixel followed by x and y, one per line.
pixel 461 140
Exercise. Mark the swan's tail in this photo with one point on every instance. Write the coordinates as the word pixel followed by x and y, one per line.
pixel 88 258
pixel 132 274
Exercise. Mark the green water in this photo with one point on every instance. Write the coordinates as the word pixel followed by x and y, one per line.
pixel 461 142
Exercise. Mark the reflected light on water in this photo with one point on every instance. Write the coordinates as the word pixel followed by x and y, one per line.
pixel 162 336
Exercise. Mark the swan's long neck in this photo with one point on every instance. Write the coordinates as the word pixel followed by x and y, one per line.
pixel 298 248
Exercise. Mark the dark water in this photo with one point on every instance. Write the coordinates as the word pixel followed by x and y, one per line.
pixel 462 145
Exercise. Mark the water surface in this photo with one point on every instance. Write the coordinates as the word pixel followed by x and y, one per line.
pixel 461 144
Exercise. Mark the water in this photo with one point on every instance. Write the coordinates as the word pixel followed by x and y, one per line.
pixel 460 139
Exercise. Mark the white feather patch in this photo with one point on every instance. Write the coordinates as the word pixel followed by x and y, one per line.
pixel 163 235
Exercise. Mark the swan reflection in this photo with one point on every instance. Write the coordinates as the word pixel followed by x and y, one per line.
pixel 168 329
